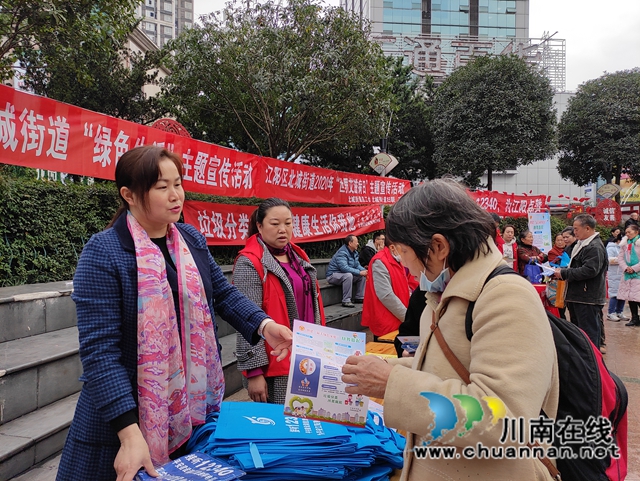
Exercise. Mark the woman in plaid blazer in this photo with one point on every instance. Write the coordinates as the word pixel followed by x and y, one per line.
pixel 105 441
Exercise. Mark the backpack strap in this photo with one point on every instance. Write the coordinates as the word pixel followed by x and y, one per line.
pixel 448 353
pixel 468 321
pixel 462 371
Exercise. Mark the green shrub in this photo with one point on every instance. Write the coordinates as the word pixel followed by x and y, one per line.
pixel 45 225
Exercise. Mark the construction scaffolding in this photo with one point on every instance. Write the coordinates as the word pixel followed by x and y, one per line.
pixel 438 56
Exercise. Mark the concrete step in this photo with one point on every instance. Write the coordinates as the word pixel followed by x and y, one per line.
pixel 35 437
pixel 39 434
pixel 38 370
pixel 34 309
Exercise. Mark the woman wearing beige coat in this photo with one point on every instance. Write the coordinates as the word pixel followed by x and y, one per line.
pixel 444 238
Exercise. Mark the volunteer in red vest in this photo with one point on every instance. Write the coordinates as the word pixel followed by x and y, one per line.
pixel 386 295
pixel 288 291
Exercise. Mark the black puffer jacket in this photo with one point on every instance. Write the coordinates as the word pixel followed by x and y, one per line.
pixel 587 274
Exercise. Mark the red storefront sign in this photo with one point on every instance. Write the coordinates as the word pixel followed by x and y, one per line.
pixel 227 224
pixel 45 134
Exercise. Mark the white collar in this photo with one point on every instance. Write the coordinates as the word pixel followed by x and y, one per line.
pixel 581 244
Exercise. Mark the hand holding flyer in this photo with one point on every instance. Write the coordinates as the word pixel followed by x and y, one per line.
pixel 315 389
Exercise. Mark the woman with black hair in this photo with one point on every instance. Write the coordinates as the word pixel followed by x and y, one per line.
pixel 527 252
pixel 144 291
pixel 276 274
pixel 446 240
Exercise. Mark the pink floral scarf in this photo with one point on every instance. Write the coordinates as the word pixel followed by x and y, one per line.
pixel 168 406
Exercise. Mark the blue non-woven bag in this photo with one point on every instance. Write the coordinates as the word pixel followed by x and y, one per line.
pixel 267 445
pixel 533 273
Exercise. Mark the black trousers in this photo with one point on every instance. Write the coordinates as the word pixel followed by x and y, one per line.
pixel 587 317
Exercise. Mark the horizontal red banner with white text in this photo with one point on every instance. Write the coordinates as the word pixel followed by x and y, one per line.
pixel 227 224
pixel 45 134
pixel 509 205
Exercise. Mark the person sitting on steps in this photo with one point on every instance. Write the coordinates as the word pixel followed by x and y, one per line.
pixel 344 269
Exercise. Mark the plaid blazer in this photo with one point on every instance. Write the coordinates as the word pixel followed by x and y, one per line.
pixel 106 297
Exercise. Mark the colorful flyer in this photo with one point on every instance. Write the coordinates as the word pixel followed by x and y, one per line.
pixel 315 389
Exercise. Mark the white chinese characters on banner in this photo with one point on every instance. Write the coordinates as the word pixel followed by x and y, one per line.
pixel 217 172
pixel 509 205
pixel 364 191
pixel 8 127
pixel 298 179
pixel 609 214
pixel 229 224
pixel 44 134
pixel 103 145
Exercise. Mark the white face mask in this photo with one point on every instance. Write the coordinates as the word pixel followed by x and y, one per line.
pixel 440 282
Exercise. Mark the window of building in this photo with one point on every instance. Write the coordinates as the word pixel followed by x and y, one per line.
pixel 188 5
pixel 188 15
pixel 151 3
pixel 187 25
pixel 167 30
pixel 150 26
pixel 167 6
pixel 151 14
pixel 167 17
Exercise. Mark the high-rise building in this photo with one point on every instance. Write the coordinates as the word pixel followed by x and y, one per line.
pixel 437 36
pixel 464 18
pixel 163 20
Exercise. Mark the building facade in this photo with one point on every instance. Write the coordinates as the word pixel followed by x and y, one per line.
pixel 437 36
pixel 470 18
pixel 163 20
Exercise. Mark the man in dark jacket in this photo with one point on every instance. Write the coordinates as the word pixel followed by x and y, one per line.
pixel 586 275
pixel 344 269
pixel 374 246
pixel 633 219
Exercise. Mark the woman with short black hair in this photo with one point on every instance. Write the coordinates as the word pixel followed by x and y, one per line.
pixel 527 252
pixel 446 240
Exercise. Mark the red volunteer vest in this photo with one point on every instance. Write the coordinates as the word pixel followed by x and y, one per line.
pixel 374 314
pixel 274 303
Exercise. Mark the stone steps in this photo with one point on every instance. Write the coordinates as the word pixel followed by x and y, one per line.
pixel 40 366
pixel 35 437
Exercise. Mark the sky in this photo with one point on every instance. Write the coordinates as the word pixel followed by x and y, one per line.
pixel 601 35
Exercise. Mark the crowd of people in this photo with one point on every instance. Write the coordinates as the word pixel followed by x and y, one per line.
pixel 147 290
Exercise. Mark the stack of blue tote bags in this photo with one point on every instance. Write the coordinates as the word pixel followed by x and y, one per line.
pixel 259 439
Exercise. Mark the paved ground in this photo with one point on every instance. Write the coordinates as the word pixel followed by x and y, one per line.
pixel 623 358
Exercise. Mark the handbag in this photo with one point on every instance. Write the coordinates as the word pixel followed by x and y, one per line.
pixel 533 273
pixel 561 292
pixel 551 291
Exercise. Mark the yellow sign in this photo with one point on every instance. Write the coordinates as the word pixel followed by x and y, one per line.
pixel 608 190
pixel 383 163
pixel 630 191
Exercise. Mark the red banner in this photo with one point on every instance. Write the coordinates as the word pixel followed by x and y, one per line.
pixel 509 205
pixel 296 182
pixel 224 224
pixel 45 134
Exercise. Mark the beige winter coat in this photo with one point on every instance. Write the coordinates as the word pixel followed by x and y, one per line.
pixel 511 356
